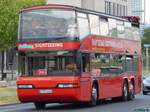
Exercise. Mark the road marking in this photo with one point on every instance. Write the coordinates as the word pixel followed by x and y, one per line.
pixel 142 109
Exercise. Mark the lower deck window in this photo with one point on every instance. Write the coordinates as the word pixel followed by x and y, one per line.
pixel 49 65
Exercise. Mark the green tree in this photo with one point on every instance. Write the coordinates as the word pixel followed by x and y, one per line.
pixel 9 15
pixel 146 37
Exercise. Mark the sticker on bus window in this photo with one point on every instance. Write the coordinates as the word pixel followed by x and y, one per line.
pixel 96 72
pixel 41 72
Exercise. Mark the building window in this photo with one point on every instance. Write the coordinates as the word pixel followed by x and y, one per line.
pixel 108 7
pixel 114 9
pixel 126 9
pixel 118 11
pixel 121 10
pixel 124 14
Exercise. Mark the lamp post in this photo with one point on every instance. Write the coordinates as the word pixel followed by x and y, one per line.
pixel 147 46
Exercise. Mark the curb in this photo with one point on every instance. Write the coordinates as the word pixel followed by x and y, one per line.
pixel 3 105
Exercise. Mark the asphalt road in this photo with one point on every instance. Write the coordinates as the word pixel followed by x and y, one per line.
pixel 139 104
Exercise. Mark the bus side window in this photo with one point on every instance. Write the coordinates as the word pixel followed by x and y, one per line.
pixel 85 63
pixel 135 63
pixel 129 63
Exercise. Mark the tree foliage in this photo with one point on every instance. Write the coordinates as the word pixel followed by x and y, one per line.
pixel 146 38
pixel 9 14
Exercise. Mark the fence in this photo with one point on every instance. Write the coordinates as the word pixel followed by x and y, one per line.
pixel 9 63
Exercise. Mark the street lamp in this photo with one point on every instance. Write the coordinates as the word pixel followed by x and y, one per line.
pixel 147 46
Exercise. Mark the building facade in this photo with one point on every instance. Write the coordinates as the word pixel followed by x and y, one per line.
pixel 113 7
pixel 138 9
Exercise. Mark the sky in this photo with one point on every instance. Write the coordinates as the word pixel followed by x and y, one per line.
pixel 147 11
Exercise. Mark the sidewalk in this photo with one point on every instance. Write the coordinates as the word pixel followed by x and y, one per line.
pixel 8 95
pixel 8 83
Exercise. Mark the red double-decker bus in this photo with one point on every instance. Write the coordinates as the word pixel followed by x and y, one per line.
pixel 70 54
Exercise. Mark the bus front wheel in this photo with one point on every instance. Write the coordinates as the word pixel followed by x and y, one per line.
pixel 39 105
pixel 94 96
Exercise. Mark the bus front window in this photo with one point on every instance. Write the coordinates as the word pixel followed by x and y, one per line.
pixel 52 63
pixel 47 23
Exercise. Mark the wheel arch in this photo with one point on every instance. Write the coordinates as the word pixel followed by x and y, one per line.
pixel 95 82
pixel 125 80
pixel 133 81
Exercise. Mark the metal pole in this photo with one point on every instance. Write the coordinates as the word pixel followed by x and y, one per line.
pixel 144 10
pixel 2 66
pixel 12 77
pixel 147 59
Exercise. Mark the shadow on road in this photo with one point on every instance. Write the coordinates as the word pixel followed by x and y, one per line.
pixel 75 106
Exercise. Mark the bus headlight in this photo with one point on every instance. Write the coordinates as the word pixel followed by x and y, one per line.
pixel 68 86
pixel 25 86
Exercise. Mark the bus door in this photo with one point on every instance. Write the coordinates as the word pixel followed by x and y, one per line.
pixel 85 77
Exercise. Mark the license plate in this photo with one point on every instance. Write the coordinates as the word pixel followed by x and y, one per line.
pixel 45 91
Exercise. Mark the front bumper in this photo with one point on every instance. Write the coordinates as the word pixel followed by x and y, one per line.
pixel 57 95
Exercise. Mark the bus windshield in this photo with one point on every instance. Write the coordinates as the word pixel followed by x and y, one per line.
pixel 47 23
pixel 50 63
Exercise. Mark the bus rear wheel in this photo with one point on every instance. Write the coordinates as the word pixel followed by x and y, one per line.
pixel 144 93
pixel 125 92
pixel 39 105
pixel 132 92
pixel 94 96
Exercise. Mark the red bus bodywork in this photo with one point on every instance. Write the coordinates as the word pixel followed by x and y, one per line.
pixel 107 87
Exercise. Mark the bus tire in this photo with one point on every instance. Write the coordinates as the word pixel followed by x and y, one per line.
pixel 125 92
pixel 94 96
pixel 39 105
pixel 132 91
pixel 144 93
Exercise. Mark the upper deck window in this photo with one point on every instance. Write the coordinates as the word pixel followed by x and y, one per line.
pixel 48 23
pixel 112 27
pixel 135 32
pixel 94 24
pixel 128 30
pixel 104 31
pixel 83 25
pixel 120 29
